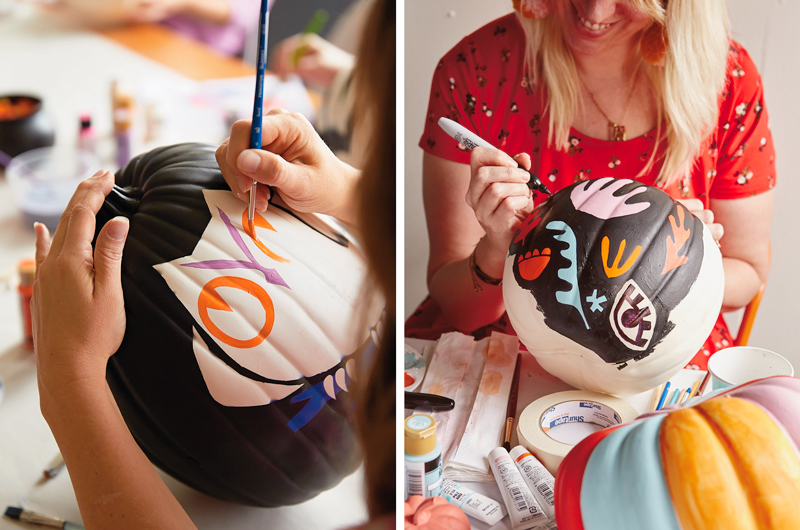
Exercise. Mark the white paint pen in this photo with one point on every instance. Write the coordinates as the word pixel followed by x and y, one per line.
pixel 538 479
pixel 472 503
pixel 523 510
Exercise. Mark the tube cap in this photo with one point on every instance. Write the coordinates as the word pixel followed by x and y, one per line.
pixel 420 434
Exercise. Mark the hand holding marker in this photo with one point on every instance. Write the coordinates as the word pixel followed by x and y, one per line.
pixel 258 104
pixel 471 140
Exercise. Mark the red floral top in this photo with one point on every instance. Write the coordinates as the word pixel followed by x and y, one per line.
pixel 481 85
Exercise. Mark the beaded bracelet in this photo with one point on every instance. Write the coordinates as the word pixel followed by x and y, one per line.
pixel 478 274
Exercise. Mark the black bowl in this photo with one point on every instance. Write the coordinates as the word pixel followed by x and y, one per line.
pixel 29 131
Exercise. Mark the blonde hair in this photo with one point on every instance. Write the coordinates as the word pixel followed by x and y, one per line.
pixel 687 87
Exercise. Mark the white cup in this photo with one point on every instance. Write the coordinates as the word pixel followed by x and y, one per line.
pixel 740 364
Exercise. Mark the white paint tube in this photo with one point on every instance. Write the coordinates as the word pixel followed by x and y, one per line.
pixel 538 479
pixel 523 510
pixel 472 503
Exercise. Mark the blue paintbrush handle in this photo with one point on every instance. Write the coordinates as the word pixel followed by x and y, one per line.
pixel 261 66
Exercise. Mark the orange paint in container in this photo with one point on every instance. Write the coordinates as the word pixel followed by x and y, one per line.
pixel 27 272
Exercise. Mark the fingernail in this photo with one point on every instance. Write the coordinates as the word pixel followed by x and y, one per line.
pixel 248 161
pixel 99 174
pixel 118 228
pixel 244 183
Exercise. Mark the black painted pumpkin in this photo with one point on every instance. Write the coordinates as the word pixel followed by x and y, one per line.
pixel 233 374
pixel 612 285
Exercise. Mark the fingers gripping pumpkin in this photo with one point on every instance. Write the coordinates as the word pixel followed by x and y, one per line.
pixel 241 337
pixel 612 285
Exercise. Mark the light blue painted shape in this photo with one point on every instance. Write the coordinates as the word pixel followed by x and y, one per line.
pixel 572 297
pixel 596 302
pixel 624 486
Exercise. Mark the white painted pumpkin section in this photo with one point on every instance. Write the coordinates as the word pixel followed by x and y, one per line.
pixel 317 318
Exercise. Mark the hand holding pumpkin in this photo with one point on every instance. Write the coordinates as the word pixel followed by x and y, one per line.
pixel 77 308
pixel 294 160
pixel 696 207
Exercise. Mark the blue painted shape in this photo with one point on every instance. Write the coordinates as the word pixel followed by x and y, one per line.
pixel 315 398
pixel 630 459
pixel 572 297
pixel 596 302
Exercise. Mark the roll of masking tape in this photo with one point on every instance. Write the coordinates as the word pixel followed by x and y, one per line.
pixel 574 406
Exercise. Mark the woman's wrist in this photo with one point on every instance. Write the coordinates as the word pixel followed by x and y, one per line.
pixel 345 207
pixel 489 259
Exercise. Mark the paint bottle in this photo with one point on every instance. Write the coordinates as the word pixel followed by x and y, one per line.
pixel 123 118
pixel 27 272
pixel 423 457
pixel 86 141
pixel 537 477
pixel 523 509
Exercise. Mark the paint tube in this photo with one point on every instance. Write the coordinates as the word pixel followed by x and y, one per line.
pixel 523 510
pixel 472 503
pixel 538 479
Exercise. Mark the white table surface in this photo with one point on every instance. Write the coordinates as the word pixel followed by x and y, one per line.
pixel 535 382
pixel 71 70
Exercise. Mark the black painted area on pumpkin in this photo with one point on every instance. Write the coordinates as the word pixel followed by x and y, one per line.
pixel 648 229
pixel 247 455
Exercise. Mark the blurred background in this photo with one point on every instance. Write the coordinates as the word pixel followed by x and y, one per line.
pixel 766 29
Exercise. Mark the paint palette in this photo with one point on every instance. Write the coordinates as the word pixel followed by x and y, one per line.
pixel 413 368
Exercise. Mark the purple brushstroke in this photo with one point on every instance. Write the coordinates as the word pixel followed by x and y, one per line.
pixel 271 275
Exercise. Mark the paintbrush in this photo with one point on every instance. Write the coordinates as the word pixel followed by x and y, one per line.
pixel 28 516
pixel 258 104
pixel 511 409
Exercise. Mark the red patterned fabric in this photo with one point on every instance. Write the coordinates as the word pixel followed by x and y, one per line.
pixel 480 84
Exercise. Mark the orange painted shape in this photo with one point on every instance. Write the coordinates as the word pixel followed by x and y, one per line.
pixel 210 299
pixel 250 229
pixel 615 270
pixel 680 235
pixel 532 264
pixel 728 465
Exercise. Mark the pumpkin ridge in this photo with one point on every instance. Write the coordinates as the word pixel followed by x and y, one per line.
pixel 757 484
pixel 698 504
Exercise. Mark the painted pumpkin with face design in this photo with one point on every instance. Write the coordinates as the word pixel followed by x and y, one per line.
pixel 242 337
pixel 612 285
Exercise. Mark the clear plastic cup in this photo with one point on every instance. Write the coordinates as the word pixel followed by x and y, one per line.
pixel 43 180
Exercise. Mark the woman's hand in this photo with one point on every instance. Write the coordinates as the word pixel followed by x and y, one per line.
pixel 319 61
pixel 499 194
pixel 77 308
pixel 294 160
pixel 696 207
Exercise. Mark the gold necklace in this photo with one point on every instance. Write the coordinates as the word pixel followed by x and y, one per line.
pixel 615 130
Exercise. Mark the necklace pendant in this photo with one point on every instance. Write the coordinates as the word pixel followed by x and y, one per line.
pixel 617 132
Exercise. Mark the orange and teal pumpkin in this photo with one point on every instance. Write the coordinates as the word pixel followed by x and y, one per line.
pixel 729 460
pixel 612 285
pixel 235 370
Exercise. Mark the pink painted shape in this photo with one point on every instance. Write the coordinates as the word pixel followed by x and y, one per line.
pixel 600 202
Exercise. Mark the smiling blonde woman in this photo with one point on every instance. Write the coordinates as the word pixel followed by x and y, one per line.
pixel 649 90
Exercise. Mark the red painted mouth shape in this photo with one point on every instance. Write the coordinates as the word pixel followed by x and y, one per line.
pixel 533 263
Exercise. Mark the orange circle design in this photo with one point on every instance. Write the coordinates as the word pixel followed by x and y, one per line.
pixel 210 299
